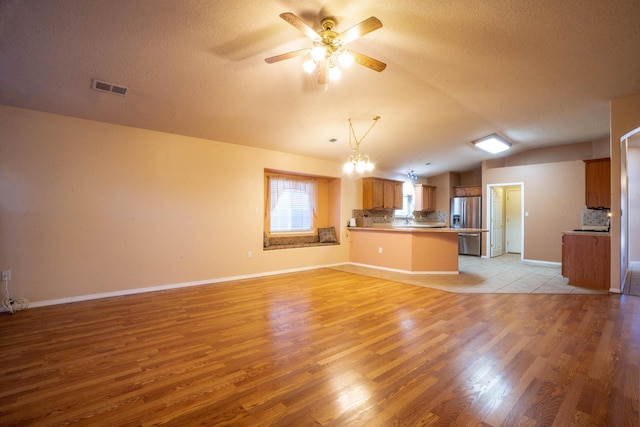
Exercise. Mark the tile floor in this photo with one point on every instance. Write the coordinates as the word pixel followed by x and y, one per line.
pixel 503 274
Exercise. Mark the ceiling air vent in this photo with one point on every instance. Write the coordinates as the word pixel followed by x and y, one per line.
pixel 108 87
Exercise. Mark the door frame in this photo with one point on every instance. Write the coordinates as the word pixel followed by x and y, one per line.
pixel 624 209
pixel 489 218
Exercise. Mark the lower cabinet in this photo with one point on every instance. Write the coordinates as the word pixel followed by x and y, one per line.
pixel 586 260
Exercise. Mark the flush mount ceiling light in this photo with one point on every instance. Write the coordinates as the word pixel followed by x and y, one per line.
pixel 358 162
pixel 328 50
pixel 493 144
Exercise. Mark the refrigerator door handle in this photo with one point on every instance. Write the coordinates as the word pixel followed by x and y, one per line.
pixel 468 234
pixel 463 209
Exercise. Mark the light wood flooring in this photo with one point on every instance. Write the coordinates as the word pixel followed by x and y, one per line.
pixel 324 348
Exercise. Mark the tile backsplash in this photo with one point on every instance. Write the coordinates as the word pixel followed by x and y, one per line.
pixel 378 216
pixel 594 217
pixel 436 216
pixel 386 216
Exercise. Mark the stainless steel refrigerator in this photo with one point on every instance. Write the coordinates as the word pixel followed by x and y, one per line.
pixel 466 212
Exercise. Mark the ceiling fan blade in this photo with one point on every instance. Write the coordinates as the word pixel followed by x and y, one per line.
pixel 359 30
pixel 301 26
pixel 322 73
pixel 368 62
pixel 287 55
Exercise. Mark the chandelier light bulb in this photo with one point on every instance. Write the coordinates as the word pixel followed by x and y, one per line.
pixel 348 167
pixel 309 66
pixel 318 53
pixel 369 166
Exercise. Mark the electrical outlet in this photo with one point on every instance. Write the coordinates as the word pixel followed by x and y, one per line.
pixel 6 274
pixel 249 254
pixel 380 250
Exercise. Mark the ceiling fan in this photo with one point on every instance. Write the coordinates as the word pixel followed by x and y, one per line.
pixel 328 47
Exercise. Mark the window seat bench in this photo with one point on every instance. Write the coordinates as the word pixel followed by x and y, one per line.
pixel 289 242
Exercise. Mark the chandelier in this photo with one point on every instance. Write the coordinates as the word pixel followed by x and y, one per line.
pixel 358 162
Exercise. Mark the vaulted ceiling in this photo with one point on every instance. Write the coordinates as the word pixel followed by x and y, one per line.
pixel 539 73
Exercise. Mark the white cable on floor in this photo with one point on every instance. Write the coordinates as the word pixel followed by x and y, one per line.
pixel 13 305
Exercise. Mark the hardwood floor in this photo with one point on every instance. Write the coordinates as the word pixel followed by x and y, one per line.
pixel 324 347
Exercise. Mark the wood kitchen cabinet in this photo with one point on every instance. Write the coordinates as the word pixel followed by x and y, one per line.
pixel 397 195
pixel 586 260
pixel 425 197
pixel 598 183
pixel 467 190
pixel 381 193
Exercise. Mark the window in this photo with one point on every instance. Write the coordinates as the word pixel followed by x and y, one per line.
pixel 292 204
pixel 408 204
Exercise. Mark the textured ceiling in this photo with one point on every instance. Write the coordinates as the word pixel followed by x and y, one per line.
pixel 537 72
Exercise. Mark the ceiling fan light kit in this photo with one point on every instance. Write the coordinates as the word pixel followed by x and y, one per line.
pixel 328 48
pixel 345 59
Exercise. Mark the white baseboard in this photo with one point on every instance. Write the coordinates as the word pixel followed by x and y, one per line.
pixel 543 263
pixel 395 270
pixel 167 287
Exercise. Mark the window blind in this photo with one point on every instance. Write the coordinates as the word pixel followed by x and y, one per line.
pixel 292 204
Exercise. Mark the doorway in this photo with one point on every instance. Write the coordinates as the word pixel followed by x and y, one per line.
pixel 630 201
pixel 505 219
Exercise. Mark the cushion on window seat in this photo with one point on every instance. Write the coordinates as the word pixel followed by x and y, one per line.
pixel 327 235
pixel 287 242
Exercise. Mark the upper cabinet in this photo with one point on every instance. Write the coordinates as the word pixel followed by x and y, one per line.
pixel 425 197
pixel 598 183
pixel 467 190
pixel 381 193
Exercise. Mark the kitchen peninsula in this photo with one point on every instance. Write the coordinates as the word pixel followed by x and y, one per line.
pixel 411 249
pixel 586 258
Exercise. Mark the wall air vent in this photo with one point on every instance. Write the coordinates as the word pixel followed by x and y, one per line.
pixel 108 87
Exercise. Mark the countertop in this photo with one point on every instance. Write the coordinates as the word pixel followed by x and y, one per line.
pixel 590 230
pixel 587 233
pixel 409 229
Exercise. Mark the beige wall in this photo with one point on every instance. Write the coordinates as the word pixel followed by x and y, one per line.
pixel 472 177
pixel 92 208
pixel 553 195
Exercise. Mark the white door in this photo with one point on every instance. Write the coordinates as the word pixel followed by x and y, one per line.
pixel 513 220
pixel 496 221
